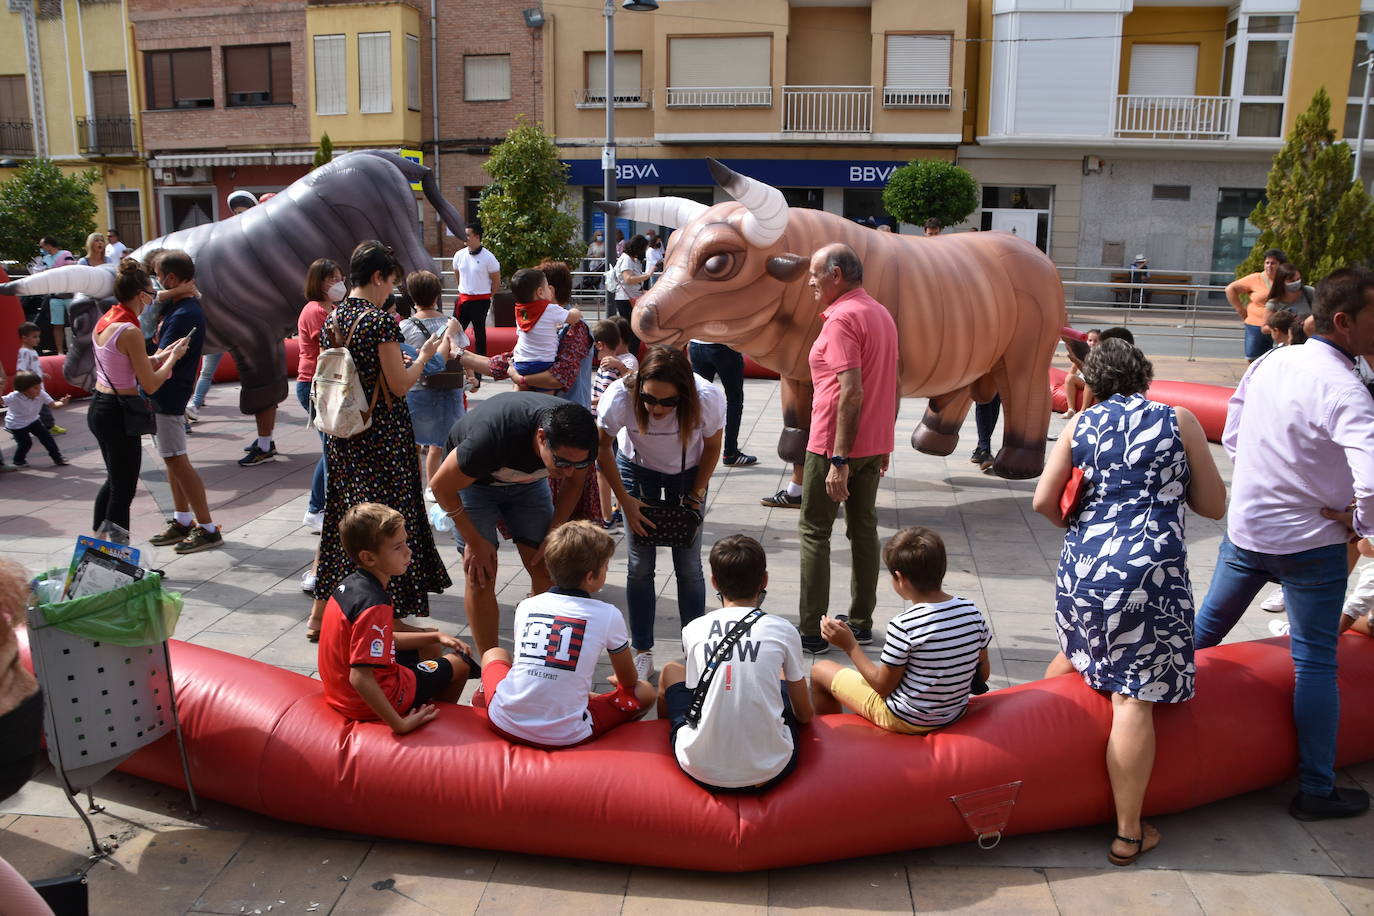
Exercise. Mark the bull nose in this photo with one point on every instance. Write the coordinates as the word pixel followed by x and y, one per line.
pixel 644 320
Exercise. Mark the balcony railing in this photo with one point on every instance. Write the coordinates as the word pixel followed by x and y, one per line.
pixel 16 138
pixel 105 136
pixel 1173 117
pixel 827 109
pixel 720 96
pixel 636 97
pixel 894 97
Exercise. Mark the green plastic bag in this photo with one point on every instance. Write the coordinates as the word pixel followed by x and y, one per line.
pixel 137 614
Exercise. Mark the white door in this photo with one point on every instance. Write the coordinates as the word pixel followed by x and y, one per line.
pixel 1017 222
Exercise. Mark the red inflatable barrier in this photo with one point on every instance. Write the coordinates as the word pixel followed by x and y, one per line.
pixel 1207 402
pixel 262 738
pixel 502 340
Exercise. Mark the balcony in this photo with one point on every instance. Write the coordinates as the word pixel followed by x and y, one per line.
pixel 894 97
pixel 105 136
pixel 828 112
pixel 638 97
pixel 1173 117
pixel 720 97
pixel 16 138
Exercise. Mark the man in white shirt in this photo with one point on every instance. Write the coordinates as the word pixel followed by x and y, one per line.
pixel 479 275
pixel 1300 430
pixel 115 249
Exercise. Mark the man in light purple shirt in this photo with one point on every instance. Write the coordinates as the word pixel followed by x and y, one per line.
pixel 1300 431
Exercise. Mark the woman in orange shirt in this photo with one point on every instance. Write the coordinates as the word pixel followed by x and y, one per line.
pixel 1249 296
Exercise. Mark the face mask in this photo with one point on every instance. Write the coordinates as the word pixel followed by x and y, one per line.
pixel 336 292
pixel 1294 286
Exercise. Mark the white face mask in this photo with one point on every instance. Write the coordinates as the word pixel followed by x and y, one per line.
pixel 1294 286
pixel 336 292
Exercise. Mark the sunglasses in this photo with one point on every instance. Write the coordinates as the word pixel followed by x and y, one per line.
pixel 575 465
pixel 660 402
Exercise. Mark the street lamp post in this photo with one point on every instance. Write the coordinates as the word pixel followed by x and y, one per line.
pixel 608 151
pixel 1368 65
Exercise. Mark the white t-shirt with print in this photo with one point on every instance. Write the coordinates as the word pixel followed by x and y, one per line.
pixel 540 343
pixel 474 271
pixel 938 645
pixel 559 638
pixel 659 447
pixel 741 739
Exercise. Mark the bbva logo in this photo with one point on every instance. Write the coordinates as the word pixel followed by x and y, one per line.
pixel 631 172
pixel 880 173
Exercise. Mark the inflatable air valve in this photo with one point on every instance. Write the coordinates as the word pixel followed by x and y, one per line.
pixel 987 811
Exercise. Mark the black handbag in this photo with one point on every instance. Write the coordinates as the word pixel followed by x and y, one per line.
pixel 675 523
pixel 138 415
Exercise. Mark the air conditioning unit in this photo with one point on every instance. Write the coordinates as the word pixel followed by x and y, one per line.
pixel 164 174
pixel 193 173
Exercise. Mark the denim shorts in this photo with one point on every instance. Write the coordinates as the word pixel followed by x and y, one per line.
pixel 433 413
pixel 526 508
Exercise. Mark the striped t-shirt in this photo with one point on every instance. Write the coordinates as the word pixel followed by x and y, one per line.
pixel 938 645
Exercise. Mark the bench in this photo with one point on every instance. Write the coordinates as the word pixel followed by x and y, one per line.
pixel 1180 285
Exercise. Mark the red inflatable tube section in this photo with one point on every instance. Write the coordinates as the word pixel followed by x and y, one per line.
pixel 1207 402
pixel 502 340
pixel 228 371
pixel 262 738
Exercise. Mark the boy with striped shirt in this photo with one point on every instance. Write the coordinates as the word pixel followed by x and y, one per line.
pixel 934 652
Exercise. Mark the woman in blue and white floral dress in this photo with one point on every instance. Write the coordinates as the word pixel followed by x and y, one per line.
pixel 1125 606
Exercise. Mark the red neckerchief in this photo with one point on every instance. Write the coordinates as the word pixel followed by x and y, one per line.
pixel 118 314
pixel 527 314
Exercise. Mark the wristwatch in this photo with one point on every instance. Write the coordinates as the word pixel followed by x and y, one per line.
pixel 839 461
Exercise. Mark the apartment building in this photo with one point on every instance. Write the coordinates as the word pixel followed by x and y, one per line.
pixel 65 95
pixel 822 101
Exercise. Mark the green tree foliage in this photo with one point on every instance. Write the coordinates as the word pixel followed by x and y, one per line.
pixel 41 200
pixel 928 187
pixel 326 151
pixel 1313 211
pixel 522 210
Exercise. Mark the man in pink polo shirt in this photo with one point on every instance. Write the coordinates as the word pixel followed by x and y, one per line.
pixel 853 416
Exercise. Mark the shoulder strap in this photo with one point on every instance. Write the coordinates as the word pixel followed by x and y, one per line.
pixel 708 673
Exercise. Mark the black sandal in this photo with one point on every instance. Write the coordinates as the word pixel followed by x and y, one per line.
pixel 1138 842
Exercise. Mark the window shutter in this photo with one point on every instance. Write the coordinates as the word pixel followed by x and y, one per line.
pixel 159 79
pixel 486 77
pixel 246 71
pixel 281 74
pixel 374 72
pixel 14 99
pixel 627 74
pixel 1163 70
pixel 737 61
pixel 191 78
pixel 331 95
pixel 413 72
pixel 918 62
pixel 110 94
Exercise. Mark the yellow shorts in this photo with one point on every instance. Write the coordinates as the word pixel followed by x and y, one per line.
pixel 850 688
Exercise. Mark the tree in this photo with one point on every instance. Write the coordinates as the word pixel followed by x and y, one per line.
pixel 40 200
pixel 326 151
pixel 930 188
pixel 522 214
pixel 1314 212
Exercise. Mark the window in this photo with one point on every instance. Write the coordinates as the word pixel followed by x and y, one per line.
pixel 1163 70
pixel 14 99
pixel 126 217
pixel 1255 68
pixel 257 75
pixel 1355 95
pixel 1181 192
pixel 374 72
pixel 917 71
pixel 486 77
pixel 179 79
pixel 628 77
pixel 413 72
pixel 331 94
pixel 722 72
pixel 1234 236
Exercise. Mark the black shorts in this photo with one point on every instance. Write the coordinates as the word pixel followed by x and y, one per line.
pixel 432 677
pixel 677 700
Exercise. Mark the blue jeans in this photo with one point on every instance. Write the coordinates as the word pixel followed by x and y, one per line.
pixel 208 364
pixel 644 483
pixel 1257 343
pixel 707 361
pixel 317 483
pixel 1313 588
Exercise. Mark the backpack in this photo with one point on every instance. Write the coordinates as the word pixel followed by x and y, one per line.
pixel 612 280
pixel 337 399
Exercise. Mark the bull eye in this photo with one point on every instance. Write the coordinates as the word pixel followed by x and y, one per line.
pixel 720 266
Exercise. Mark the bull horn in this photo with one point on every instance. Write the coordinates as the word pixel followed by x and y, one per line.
pixel 674 212
pixel 767 217
pixel 96 282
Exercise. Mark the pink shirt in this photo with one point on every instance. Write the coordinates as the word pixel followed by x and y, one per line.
pixel 308 326
pixel 1300 432
pixel 858 333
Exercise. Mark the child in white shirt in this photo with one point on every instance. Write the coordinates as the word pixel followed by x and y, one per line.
pixel 537 321
pixel 28 361
pixel 24 404
pixel 540 698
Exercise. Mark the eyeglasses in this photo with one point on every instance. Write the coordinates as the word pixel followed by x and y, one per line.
pixel 565 463
pixel 660 402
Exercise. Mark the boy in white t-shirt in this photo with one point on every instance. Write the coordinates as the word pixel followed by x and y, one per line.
pixel 27 360
pixel 537 321
pixel 935 650
pixel 746 738
pixel 541 697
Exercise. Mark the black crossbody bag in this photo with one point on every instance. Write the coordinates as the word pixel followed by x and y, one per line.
pixel 723 651
pixel 674 525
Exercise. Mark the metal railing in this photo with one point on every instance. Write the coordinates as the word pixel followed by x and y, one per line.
pixel 827 109
pixel 720 96
pixel 1173 117
pixel 105 136
pixel 635 97
pixel 896 97
pixel 16 138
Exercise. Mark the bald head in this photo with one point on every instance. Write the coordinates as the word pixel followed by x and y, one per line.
pixel 835 270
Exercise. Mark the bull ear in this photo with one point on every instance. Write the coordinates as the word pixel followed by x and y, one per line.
pixel 787 267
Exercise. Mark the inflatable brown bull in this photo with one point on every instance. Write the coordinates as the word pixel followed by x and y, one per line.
pixel 978 313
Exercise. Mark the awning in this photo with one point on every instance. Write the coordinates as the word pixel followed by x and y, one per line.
pixel 260 157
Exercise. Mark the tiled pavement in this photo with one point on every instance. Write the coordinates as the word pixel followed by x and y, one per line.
pixel 1236 856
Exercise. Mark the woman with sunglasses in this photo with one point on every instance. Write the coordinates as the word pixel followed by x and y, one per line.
pixel 122 366
pixel 669 423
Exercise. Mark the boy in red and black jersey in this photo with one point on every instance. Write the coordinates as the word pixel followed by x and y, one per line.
pixel 368 670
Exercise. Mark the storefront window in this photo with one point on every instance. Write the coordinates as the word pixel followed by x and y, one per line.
pixel 863 204
pixel 808 198
pixel 1235 235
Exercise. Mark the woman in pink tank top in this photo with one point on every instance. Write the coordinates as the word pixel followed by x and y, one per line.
pixel 122 367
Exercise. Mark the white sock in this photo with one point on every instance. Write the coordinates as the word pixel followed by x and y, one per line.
pixel 210 527
pixel 182 518
pixel 793 490
pixel 264 443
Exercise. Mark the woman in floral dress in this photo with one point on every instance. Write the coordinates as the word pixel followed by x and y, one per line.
pixel 378 465
pixel 1125 606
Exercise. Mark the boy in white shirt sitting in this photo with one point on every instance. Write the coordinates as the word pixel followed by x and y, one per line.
pixel 744 738
pixel 537 321
pixel 541 698
pixel 933 653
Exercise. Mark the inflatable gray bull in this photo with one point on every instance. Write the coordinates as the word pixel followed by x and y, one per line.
pixel 250 268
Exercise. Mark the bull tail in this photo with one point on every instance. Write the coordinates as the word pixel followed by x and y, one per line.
pixel 425 175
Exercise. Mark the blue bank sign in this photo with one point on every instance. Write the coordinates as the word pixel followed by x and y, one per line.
pixel 781 173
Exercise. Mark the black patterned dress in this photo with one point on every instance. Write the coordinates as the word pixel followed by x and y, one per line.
pixel 379 465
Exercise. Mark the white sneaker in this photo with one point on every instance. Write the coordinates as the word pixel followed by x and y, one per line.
pixel 429 495
pixel 191 413
pixel 1278 627
pixel 308 582
pixel 644 665
pixel 313 520
pixel 1274 603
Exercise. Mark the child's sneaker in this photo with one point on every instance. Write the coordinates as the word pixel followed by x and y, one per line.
pixel 191 413
pixel 199 539
pixel 644 665
pixel 1279 627
pixel 1274 603
pixel 174 533
pixel 57 430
